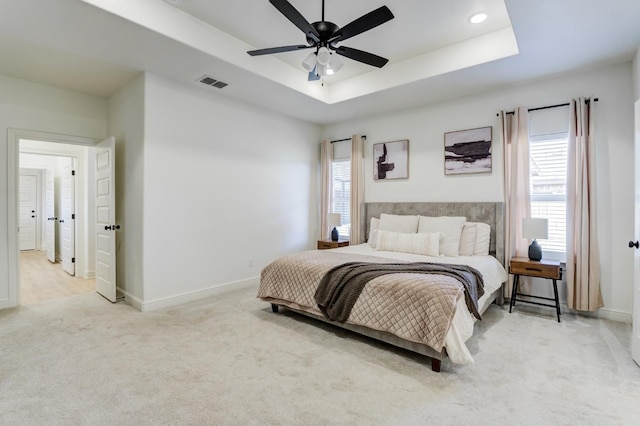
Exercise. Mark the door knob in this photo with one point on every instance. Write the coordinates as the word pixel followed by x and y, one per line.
pixel 632 244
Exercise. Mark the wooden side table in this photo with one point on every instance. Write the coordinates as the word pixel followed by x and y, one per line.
pixel 328 244
pixel 549 269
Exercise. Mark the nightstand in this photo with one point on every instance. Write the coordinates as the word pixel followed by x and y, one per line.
pixel 549 269
pixel 328 244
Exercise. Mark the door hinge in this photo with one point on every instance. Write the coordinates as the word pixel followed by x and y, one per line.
pixel 73 216
pixel 73 172
pixel 73 260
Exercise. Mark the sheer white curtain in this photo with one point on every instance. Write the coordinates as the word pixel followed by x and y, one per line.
pixel 515 145
pixel 357 187
pixel 326 158
pixel 583 258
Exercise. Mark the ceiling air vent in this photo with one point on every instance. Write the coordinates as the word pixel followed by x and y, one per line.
pixel 210 81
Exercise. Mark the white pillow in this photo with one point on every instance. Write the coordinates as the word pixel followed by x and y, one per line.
pixel 483 238
pixel 426 244
pixel 373 231
pixel 468 239
pixel 451 229
pixel 398 223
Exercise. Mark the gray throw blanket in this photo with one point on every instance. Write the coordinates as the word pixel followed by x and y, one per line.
pixel 340 288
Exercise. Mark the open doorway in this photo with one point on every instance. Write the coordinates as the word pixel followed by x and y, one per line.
pixel 47 212
pixel 54 244
pixel 94 221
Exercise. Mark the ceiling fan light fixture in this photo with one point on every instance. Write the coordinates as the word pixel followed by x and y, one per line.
pixel 324 56
pixel 478 18
pixel 324 35
pixel 309 62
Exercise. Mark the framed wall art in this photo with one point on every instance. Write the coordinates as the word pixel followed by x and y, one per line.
pixel 391 160
pixel 467 151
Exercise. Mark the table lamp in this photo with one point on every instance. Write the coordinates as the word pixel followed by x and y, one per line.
pixel 334 221
pixel 532 229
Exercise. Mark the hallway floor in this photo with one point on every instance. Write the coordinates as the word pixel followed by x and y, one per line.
pixel 42 280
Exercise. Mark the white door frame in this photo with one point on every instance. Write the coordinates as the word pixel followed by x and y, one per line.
pixel 635 331
pixel 13 149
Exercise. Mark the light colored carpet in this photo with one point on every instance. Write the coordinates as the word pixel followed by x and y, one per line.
pixel 230 361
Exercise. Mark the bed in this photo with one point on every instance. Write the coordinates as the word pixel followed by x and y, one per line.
pixel 429 313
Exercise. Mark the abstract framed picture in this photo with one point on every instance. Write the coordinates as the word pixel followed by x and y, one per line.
pixel 467 151
pixel 391 160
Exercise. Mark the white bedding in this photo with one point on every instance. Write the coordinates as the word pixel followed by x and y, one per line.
pixel 461 329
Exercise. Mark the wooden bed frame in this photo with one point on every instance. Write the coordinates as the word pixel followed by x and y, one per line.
pixel 490 213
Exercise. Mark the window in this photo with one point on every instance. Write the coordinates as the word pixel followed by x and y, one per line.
pixel 341 194
pixel 548 176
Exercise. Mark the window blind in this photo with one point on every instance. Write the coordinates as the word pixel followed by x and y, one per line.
pixel 548 176
pixel 341 194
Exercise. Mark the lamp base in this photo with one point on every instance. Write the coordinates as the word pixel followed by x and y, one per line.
pixel 535 251
pixel 334 234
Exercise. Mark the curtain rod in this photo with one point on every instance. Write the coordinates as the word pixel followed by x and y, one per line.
pixel 549 107
pixel 347 139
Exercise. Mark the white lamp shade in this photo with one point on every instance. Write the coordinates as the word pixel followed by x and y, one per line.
pixel 324 56
pixel 334 220
pixel 336 63
pixel 535 228
pixel 309 62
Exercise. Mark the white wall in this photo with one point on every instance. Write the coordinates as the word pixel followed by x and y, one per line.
pixel 30 106
pixel 424 127
pixel 228 187
pixel 126 124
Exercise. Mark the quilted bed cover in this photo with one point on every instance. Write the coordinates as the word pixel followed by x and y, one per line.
pixel 428 309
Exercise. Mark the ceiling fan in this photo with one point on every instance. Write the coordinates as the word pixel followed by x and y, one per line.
pixel 324 35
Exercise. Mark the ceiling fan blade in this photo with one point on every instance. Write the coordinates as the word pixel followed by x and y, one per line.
pixel 296 18
pixel 362 56
pixel 363 23
pixel 280 49
pixel 313 76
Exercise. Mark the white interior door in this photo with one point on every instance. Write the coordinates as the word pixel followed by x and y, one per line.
pixel 50 238
pixel 635 339
pixel 27 212
pixel 67 219
pixel 105 219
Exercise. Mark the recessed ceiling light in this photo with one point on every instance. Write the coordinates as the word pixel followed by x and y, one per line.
pixel 478 18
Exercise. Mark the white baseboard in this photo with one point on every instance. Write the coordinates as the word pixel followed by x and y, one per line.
pixel 193 296
pixel 602 313
pixel 130 299
pixel 609 314
pixel 6 304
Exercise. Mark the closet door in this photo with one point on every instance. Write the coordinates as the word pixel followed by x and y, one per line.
pixel 28 210
pixel 50 237
pixel 67 219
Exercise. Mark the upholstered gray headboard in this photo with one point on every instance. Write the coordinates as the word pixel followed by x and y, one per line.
pixel 490 213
